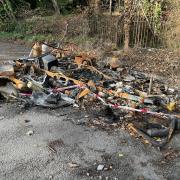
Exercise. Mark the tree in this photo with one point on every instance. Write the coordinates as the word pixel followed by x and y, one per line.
pixel 96 3
pixel 127 22
pixel 56 7
pixel 8 9
pixel 110 7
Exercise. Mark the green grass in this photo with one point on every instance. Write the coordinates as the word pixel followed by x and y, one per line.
pixel 26 38
pixel 30 30
pixel 10 36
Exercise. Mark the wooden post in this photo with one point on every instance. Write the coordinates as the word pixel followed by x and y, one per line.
pixel 150 85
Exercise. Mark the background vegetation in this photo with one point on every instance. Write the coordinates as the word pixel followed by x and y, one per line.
pixel 32 20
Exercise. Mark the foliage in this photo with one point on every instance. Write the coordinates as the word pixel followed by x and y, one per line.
pixel 31 17
pixel 172 32
pixel 153 9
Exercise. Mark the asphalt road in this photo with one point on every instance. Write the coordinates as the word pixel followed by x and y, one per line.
pixel 10 51
pixel 59 137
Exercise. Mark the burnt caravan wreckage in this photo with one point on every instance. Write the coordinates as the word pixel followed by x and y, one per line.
pixel 144 104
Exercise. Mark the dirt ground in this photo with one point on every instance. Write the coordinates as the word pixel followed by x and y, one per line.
pixel 60 137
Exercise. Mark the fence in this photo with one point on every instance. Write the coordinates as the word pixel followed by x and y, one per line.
pixel 145 30
pixel 111 28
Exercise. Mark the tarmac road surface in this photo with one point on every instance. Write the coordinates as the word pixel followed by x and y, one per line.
pixel 10 51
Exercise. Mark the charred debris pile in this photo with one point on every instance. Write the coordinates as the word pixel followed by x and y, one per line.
pixel 53 78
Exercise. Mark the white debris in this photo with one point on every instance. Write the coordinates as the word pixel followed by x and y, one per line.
pixel 73 165
pixel 100 167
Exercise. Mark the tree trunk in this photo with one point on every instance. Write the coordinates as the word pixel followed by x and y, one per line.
pixel 119 5
pixel 127 22
pixel 110 7
pixel 126 36
pixel 96 6
pixel 56 7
